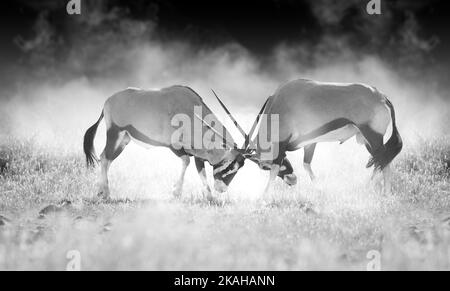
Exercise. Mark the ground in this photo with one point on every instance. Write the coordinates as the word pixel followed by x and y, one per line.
pixel 48 209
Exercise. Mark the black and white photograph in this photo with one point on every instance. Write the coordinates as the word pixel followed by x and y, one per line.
pixel 243 138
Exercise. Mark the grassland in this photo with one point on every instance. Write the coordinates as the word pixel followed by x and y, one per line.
pixel 330 225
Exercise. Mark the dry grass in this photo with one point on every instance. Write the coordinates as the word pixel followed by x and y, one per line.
pixel 331 225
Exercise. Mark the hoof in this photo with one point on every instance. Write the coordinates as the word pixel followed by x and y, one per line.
pixel 213 201
pixel 177 190
pixel 176 193
pixel 267 197
pixel 207 194
pixel 210 198
pixel 103 196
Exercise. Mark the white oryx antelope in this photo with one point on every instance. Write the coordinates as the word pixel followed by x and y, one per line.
pixel 147 118
pixel 310 112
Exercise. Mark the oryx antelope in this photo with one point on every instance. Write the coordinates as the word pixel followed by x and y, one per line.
pixel 146 117
pixel 311 112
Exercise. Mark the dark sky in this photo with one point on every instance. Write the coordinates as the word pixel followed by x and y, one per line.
pixel 258 25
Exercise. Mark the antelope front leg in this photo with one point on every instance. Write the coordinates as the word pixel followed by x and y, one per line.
pixel 206 191
pixel 387 176
pixel 178 187
pixel 307 159
pixel 376 181
pixel 309 171
pixel 274 169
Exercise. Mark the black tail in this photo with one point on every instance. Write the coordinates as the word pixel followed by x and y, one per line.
pixel 88 144
pixel 392 147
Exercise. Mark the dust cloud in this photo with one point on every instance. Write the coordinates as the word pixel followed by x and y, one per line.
pixel 62 84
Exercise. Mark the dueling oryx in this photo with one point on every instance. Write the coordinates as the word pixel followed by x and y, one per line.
pixel 310 112
pixel 154 118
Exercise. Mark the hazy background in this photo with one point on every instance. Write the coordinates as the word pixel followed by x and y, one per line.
pixel 57 70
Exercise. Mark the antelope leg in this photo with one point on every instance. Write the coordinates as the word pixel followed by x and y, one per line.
pixel 274 169
pixel 178 187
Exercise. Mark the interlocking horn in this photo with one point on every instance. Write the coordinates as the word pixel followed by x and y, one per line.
pixel 247 137
pixel 252 130
pixel 231 116
pixel 226 142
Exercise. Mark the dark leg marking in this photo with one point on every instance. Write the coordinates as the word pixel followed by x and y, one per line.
pixel 324 129
pixel 179 152
pixel 282 148
pixel 286 173
pixel 309 153
pixel 199 164
pixel 286 168
pixel 116 141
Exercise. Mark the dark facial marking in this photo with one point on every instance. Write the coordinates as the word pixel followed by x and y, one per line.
pixel 287 169
pixel 240 160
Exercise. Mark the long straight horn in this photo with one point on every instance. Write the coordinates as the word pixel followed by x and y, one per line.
pixel 255 124
pixel 231 116
pixel 225 141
